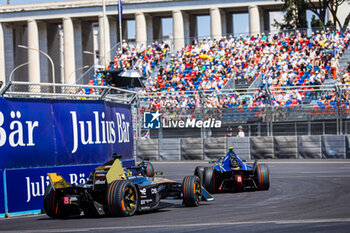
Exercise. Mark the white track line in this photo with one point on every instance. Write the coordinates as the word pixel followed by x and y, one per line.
pixel 319 176
pixel 92 229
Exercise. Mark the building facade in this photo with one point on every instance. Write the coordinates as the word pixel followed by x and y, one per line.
pixel 69 32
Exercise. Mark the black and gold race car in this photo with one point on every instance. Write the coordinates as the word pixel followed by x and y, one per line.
pixel 114 190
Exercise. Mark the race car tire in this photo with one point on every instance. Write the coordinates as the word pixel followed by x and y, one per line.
pixel 262 177
pixel 52 206
pixel 122 198
pixel 198 171
pixel 149 170
pixel 209 180
pixel 192 191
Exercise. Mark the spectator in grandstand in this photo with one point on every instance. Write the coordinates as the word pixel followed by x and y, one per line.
pixel 240 132
pixel 229 132
pixel 334 67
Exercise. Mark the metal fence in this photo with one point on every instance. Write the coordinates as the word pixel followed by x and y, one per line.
pixel 277 147
pixel 320 110
pixel 14 89
pixel 66 91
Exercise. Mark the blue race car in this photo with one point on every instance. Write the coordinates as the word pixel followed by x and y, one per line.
pixel 230 173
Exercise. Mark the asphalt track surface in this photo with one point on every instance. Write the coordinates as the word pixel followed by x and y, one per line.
pixel 305 196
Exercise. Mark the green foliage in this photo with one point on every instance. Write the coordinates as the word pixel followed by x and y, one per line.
pixel 295 15
pixel 316 23
pixel 329 23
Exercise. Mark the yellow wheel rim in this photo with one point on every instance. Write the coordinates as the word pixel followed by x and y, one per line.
pixel 130 198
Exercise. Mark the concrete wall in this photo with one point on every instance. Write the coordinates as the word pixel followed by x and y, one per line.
pixel 241 146
pixel 248 148
pixel 262 147
pixel 333 147
pixel 286 147
pixel 214 148
pixel 147 149
pixel 192 149
pixel 169 149
pixel 309 147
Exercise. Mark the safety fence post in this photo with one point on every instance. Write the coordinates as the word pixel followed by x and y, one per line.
pixel 202 101
pixel 339 103
pixel 5 195
pixel 2 199
pixel 269 109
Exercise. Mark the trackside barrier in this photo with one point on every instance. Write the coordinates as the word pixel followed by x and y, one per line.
pixel 214 148
pixel 286 147
pixel 51 132
pixel 333 147
pixel 241 146
pixel 2 199
pixel 347 144
pixel 169 149
pixel 309 147
pixel 262 147
pixel 278 147
pixel 192 149
pixel 25 187
pixel 147 149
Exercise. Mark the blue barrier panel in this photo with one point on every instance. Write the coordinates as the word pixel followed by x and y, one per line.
pixel 2 200
pixel 25 133
pixel 26 187
pixel 91 133
pixel 39 132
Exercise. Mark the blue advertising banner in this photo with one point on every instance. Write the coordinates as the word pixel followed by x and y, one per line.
pixel 25 133
pixel 39 132
pixel 91 133
pixel 26 187
pixel 2 200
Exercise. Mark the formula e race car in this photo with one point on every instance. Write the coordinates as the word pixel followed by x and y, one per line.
pixel 114 190
pixel 230 173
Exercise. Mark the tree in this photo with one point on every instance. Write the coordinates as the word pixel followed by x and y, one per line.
pixel 346 22
pixel 333 5
pixel 319 8
pixel 316 23
pixel 295 15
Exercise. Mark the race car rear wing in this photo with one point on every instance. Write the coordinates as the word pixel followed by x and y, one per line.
pixel 116 172
pixel 58 181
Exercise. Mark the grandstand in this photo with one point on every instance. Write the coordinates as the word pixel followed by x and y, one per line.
pixel 273 84
pixel 269 83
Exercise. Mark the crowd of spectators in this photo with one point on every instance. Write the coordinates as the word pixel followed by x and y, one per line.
pixel 141 58
pixel 195 75
pixel 289 65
